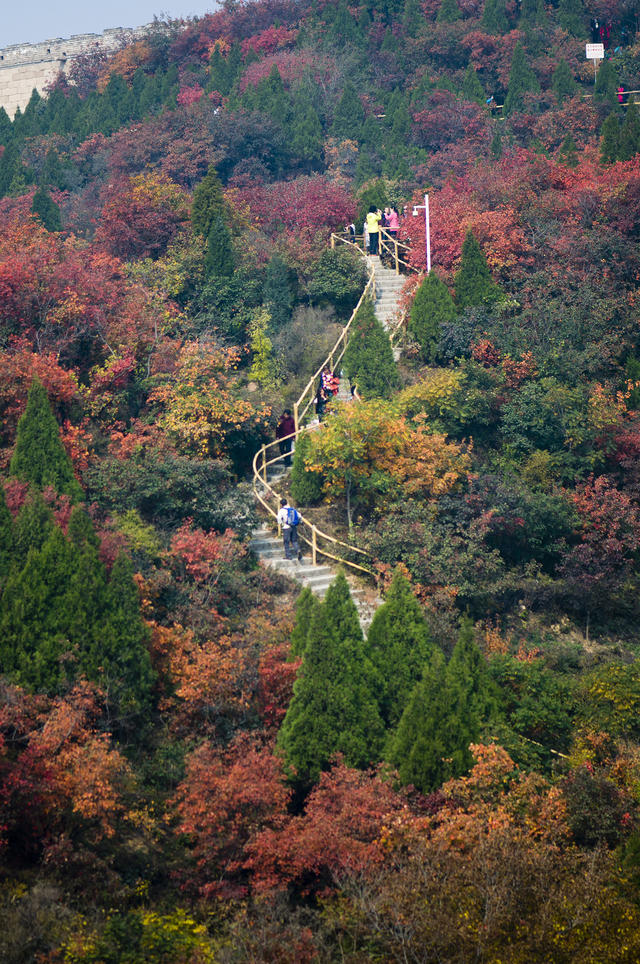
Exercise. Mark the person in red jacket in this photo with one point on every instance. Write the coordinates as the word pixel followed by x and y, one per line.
pixel 286 426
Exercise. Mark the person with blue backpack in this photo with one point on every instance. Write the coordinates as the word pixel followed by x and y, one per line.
pixel 288 520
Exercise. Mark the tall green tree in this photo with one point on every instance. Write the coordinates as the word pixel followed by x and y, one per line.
pixel 278 296
pixel 449 12
pixel 348 117
pixel 45 209
pixel 368 360
pixel 306 606
pixel 563 82
pixel 208 203
pixel 7 538
pixel 607 83
pixel 305 131
pixel 32 528
pixel 494 17
pixel 629 144
pixel 333 709
pixel 610 139
pixel 219 260
pixel 399 647
pixel 571 17
pixel 432 307
pixel 39 454
pixel 473 282
pixel 306 486
pixel 472 89
pixel 521 81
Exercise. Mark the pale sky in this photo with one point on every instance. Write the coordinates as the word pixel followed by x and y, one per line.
pixel 37 20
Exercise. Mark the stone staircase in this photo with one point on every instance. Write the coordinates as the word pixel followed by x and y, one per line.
pixel 264 542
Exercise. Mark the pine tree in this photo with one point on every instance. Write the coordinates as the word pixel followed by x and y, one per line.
pixel 271 97
pixel 472 89
pixel 7 538
pixel 521 80
pixel 39 454
pixel 419 747
pixel 571 16
pixel 277 292
pixel 473 282
pixel 568 152
pixel 33 526
pixel 532 13
pixel 449 12
pixel 344 29
pixel 563 82
pixel 494 17
pixel 45 209
pixel 208 204
pixel 305 131
pixel 610 139
pixel 399 647
pixel 6 127
pixel 306 606
pixel 368 360
pixel 412 17
pixel 432 307
pixel 606 86
pixel 52 170
pixel 496 141
pixel 629 144
pixel 121 660
pixel 333 709
pixel 219 260
pixel 348 118
pixel 306 486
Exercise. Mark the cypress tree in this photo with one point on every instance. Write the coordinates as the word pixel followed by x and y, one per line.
pixel 208 204
pixel 52 170
pixel 412 17
pixel 399 647
pixel 306 486
pixel 568 152
pixel 344 29
pixel 610 139
pixel 219 261
pixel 419 748
pixel 521 80
pixel 306 606
pixel 606 86
pixel 278 297
pixel 271 97
pixel 39 454
pixel 7 537
pixel 473 282
pixel 496 141
pixel 472 89
pixel 432 307
pixel 32 528
pixel 571 17
pixel 629 144
pixel 494 17
pixel 532 13
pixel 6 127
pixel 368 360
pixel 333 709
pixel 45 209
pixel 305 131
pixel 449 12
pixel 563 82
pixel 348 118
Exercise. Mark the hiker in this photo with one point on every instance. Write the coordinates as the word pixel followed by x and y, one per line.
pixel 365 236
pixel 286 426
pixel 393 223
pixel 351 231
pixel 373 228
pixel 321 402
pixel 288 519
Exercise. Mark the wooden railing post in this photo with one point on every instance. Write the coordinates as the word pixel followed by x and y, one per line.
pixel 333 241
pixel 296 418
pixel 395 252
pixel 264 463
pixel 314 546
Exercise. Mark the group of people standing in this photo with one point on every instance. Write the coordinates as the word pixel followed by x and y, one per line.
pixel 377 221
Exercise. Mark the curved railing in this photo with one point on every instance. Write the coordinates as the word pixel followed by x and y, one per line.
pixel 320 543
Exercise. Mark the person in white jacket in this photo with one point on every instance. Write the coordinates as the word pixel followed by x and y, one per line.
pixel 289 531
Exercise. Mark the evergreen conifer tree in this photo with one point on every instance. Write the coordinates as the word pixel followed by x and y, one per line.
pixel 496 141
pixel 399 647
pixel 568 152
pixel 348 118
pixel 472 89
pixel 305 131
pixel 629 144
pixel 610 139
pixel 208 204
pixel 219 261
pixel 432 307
pixel 7 538
pixel 39 454
pixel 563 82
pixel 412 17
pixel 532 13
pixel 368 360
pixel 521 80
pixel 473 282
pixel 45 209
pixel 494 17
pixel 306 606
pixel 420 746
pixel 344 29
pixel 271 97
pixel 32 528
pixel 277 292
pixel 449 12
pixel 306 486
pixel 52 170
pixel 571 17
pixel 606 86
pixel 333 709
pixel 6 127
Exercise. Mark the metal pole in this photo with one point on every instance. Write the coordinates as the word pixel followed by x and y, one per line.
pixel 427 232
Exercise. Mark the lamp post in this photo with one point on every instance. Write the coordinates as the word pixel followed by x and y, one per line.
pixel 427 229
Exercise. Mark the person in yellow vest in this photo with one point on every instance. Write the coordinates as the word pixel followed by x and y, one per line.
pixel 373 227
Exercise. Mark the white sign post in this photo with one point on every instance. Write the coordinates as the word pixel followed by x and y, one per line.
pixel 595 52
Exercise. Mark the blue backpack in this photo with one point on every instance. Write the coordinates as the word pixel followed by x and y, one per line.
pixel 293 516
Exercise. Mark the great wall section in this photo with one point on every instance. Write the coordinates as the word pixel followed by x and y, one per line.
pixel 24 67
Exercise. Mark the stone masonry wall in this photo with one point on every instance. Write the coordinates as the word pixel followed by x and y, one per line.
pixel 25 66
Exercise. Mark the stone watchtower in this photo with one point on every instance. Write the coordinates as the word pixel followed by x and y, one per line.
pixel 25 66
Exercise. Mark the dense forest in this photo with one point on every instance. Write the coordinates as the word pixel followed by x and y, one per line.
pixel 198 761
